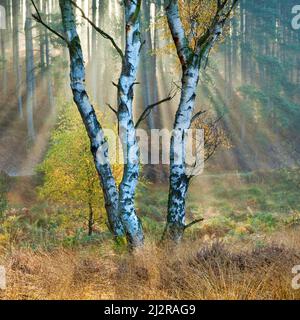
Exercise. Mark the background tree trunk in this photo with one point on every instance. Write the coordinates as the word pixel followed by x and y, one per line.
pixel 17 65
pixel 30 75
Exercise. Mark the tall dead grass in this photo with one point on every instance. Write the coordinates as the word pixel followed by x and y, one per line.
pixel 193 270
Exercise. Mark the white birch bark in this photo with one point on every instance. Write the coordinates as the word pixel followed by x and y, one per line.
pixel 99 146
pixel 127 131
pixel 193 61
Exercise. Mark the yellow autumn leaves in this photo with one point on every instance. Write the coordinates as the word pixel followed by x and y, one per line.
pixel 70 177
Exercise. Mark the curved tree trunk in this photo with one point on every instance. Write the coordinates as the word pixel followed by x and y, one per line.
pixel 99 146
pixel 179 180
pixel 192 61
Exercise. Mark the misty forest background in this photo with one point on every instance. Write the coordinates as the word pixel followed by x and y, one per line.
pixel 248 193
pixel 251 81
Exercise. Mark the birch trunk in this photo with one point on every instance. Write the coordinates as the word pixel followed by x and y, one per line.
pixel 192 61
pixel 94 57
pixel 99 146
pixel 145 57
pixel 179 182
pixel 127 131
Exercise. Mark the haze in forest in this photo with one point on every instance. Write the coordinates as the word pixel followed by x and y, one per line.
pixel 72 226
pixel 250 84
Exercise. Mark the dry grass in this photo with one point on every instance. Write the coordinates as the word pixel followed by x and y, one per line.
pixel 191 271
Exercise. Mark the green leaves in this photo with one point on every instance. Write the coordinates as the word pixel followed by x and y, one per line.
pixel 70 177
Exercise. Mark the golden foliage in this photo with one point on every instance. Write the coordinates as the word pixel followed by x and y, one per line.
pixel 70 177
pixel 197 16
pixel 214 135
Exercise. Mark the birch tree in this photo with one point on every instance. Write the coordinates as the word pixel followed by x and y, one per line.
pixel 99 148
pixel 119 201
pixel 127 128
pixel 193 44
pixel 95 132
pixel 127 132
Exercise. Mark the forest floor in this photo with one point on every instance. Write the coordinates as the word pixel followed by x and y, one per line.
pixel 245 248
pixel 194 270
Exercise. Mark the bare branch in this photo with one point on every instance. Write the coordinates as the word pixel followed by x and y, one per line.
pixel 38 18
pixel 218 22
pixel 213 138
pixel 115 85
pixel 193 223
pixel 197 115
pixel 112 109
pixel 231 8
pixel 148 110
pixel 100 31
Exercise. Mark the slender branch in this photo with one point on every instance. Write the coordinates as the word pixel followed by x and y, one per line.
pixel 214 135
pixel 192 34
pixel 100 31
pixel 36 9
pixel 231 8
pixel 148 110
pixel 38 18
pixel 112 109
pixel 219 20
pixel 49 28
pixel 193 223
pixel 212 152
pixel 115 85
pixel 197 115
